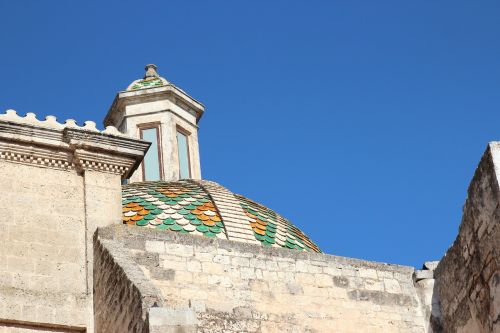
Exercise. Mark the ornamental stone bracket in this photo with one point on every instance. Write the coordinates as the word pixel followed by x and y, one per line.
pixel 50 144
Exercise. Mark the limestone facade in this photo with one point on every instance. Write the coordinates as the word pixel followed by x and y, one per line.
pixel 71 262
pixel 56 180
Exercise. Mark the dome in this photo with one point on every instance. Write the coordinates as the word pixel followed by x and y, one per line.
pixel 207 209
pixel 151 79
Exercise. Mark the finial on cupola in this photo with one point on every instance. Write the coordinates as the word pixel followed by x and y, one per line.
pixel 151 71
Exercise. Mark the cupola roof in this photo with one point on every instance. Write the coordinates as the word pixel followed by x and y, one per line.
pixel 151 79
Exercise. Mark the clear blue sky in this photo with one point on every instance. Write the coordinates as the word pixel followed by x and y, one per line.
pixel 360 121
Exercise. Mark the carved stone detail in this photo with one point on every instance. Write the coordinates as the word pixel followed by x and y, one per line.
pixel 51 122
pixel 103 163
pixel 50 144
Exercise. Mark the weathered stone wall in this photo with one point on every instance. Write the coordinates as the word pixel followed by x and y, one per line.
pixel 468 276
pixel 42 252
pixel 225 286
pixel 122 294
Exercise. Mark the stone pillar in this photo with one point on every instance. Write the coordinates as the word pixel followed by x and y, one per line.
pixel 59 183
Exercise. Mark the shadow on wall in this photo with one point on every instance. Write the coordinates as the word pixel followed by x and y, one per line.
pixel 435 320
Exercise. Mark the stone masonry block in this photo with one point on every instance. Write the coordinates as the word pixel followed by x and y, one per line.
pixel 155 246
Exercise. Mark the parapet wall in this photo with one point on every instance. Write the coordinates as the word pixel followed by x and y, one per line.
pixel 225 286
pixel 468 276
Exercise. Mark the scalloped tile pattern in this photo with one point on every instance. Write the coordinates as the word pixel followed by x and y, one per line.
pixel 147 83
pixel 272 229
pixel 181 206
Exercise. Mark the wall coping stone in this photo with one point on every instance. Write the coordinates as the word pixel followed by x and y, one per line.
pixel 123 232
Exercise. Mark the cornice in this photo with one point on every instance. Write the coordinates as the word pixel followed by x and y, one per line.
pixel 176 95
pixel 67 147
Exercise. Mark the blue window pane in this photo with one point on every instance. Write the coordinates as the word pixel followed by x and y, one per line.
pixel 182 147
pixel 151 161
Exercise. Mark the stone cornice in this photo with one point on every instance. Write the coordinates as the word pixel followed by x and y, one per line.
pixel 67 146
pixel 167 89
pixel 178 97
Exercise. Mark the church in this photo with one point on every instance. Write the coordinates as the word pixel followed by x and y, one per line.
pixel 116 230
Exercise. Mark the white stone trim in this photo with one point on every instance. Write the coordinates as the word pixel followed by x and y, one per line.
pixel 101 162
pixel 37 156
pixel 51 122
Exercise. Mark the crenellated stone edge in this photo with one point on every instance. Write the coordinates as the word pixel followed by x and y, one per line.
pixel 51 122
pixel 49 144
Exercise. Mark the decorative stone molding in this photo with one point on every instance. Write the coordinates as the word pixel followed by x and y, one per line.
pixel 101 162
pixel 177 96
pixel 51 122
pixel 35 155
pixel 68 146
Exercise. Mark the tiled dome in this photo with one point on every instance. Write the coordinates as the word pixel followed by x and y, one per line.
pixel 271 228
pixel 207 209
pixel 147 83
pixel 176 206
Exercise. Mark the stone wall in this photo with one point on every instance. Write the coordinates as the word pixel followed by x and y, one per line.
pixel 58 183
pixel 468 276
pixel 42 252
pixel 226 286
pixel 122 294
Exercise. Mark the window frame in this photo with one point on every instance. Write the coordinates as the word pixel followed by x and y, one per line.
pixel 152 125
pixel 187 134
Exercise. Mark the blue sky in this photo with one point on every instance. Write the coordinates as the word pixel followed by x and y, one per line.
pixel 360 121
